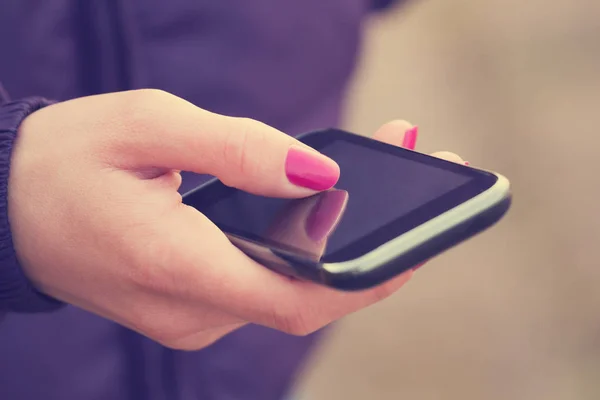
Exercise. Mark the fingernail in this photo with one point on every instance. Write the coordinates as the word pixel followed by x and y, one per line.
pixel 310 169
pixel 326 214
pixel 410 138
pixel 467 163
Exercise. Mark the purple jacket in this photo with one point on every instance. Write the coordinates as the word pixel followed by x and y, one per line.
pixel 286 63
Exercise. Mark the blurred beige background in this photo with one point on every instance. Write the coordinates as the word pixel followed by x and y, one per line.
pixel 513 86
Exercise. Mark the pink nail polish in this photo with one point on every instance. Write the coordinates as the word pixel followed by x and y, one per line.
pixel 310 169
pixel 410 138
pixel 467 163
pixel 326 214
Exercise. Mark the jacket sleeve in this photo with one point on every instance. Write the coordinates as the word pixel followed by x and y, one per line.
pixel 16 292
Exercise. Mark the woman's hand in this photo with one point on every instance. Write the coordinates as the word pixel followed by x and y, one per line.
pixel 97 220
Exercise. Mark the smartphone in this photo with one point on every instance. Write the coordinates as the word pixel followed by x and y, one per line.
pixel 391 210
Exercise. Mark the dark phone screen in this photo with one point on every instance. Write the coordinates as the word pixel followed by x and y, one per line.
pixel 382 193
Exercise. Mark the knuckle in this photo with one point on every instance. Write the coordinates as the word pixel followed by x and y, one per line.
pixel 385 290
pixel 155 268
pixel 162 334
pixel 171 340
pixel 195 337
pixel 147 96
pixel 166 322
pixel 135 118
pixel 241 148
pixel 380 293
pixel 151 278
pixel 163 328
pixel 195 341
pixel 152 320
pixel 234 153
pixel 176 340
pixel 177 344
pixel 140 106
pixel 296 322
pixel 141 110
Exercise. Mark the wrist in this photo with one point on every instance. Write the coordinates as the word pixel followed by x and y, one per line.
pixel 16 291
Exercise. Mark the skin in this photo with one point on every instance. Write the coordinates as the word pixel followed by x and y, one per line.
pixel 97 220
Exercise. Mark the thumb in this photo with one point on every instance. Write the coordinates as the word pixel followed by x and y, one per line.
pixel 241 152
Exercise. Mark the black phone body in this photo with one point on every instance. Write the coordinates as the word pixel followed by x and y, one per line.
pixel 391 210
